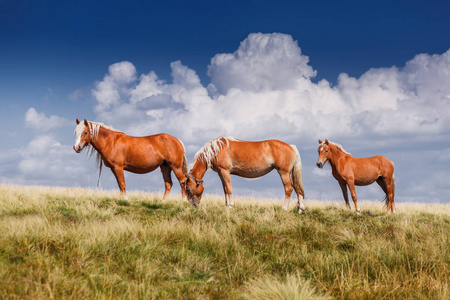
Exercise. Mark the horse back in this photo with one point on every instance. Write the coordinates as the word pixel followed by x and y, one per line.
pixel 260 157
pixel 368 169
pixel 149 150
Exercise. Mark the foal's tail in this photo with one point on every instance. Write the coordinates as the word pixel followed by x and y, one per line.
pixel 296 173
pixel 386 199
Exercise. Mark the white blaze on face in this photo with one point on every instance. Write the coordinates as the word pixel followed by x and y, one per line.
pixel 78 131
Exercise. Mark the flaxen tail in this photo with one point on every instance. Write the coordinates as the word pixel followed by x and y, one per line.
pixel 184 167
pixel 296 174
pixel 386 199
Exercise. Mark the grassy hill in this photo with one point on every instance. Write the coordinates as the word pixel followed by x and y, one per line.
pixel 81 244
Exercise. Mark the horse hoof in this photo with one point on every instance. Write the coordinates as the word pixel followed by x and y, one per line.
pixel 300 210
pixel 302 206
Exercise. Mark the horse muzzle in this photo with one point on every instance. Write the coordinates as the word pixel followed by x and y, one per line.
pixel 320 165
pixel 77 149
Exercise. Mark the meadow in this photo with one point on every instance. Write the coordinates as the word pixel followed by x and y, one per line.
pixel 84 244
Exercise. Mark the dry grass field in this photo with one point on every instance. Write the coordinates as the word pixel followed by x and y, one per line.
pixel 83 244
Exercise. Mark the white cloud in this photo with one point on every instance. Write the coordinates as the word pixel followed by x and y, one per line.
pixel 108 92
pixel 264 89
pixel 262 62
pixel 39 121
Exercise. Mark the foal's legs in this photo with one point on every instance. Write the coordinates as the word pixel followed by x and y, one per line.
pixel 383 186
pixel 351 186
pixel 343 186
pixel 286 179
pixel 165 170
pixel 118 173
pixel 383 183
pixel 390 194
pixel 227 188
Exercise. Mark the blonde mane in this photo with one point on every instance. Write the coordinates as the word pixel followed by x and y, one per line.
pixel 337 146
pixel 212 149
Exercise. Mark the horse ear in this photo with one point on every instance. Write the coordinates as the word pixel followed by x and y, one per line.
pixel 326 142
pixel 320 141
pixel 85 122
pixel 78 121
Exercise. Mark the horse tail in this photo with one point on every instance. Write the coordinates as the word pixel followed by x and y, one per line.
pixel 393 191
pixel 99 167
pixel 296 173
pixel 386 198
pixel 184 167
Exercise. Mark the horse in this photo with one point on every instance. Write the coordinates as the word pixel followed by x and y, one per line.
pixel 350 171
pixel 119 151
pixel 227 155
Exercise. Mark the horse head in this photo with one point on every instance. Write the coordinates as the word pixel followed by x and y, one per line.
pixel 82 136
pixel 324 153
pixel 194 190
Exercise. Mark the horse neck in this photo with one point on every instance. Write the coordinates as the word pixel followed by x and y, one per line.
pixel 199 168
pixel 337 154
pixel 101 141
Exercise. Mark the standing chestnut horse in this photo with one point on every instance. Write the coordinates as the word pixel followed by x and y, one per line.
pixel 120 152
pixel 351 171
pixel 227 155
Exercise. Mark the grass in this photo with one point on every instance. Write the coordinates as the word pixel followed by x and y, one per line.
pixel 84 244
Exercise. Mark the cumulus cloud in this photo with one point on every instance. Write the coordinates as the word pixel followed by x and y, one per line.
pixel 45 161
pixel 109 91
pixel 264 89
pixel 39 121
pixel 262 62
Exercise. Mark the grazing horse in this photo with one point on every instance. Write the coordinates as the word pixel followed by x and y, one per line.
pixel 350 171
pixel 227 155
pixel 120 152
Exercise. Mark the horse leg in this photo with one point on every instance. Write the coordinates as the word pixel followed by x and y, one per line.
pixel 390 195
pixel 227 188
pixel 182 180
pixel 351 186
pixel 343 186
pixel 381 182
pixel 165 170
pixel 118 173
pixel 286 179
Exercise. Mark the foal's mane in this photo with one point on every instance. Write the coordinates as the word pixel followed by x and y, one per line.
pixel 212 149
pixel 339 147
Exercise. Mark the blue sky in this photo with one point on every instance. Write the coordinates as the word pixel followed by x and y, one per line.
pixel 54 54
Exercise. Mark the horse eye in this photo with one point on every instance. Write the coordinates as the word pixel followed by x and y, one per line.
pixel 326 151
pixel 85 132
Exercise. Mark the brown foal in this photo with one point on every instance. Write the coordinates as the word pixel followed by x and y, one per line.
pixel 350 171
